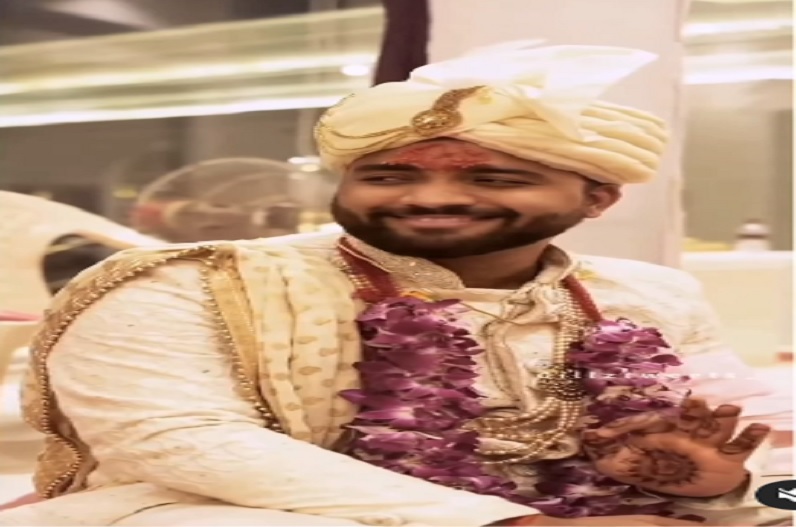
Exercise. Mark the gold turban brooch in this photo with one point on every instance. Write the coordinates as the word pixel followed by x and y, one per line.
pixel 534 103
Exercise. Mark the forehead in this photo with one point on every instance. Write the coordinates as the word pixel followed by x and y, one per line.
pixel 439 154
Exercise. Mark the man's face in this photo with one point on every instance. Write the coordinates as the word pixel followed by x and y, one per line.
pixel 447 198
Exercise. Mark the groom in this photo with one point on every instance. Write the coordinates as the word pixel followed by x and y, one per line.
pixel 440 364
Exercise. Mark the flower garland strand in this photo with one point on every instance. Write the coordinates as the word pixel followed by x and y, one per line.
pixel 418 377
pixel 418 393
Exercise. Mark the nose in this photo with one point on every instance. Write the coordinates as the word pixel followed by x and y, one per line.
pixel 436 194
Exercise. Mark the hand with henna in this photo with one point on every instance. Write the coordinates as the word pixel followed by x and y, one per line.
pixel 696 454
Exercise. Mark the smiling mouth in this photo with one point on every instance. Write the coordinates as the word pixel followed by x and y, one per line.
pixel 439 221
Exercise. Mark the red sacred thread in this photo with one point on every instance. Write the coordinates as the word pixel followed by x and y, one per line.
pixel 583 299
pixel 373 283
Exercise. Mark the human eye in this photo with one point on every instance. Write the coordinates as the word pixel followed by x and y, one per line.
pixel 498 181
pixel 385 179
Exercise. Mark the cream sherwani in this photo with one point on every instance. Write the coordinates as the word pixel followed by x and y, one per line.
pixel 141 376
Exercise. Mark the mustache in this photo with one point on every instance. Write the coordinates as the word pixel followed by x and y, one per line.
pixel 446 210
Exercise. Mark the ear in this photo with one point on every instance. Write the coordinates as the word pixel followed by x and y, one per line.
pixel 600 198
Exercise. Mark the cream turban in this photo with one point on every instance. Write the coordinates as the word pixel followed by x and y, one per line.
pixel 534 103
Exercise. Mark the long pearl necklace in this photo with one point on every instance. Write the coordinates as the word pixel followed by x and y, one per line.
pixel 563 400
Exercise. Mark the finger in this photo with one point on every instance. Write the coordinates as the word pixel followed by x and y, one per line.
pixel 747 441
pixel 696 420
pixel 599 447
pixel 646 423
pixel 727 416
pixel 692 412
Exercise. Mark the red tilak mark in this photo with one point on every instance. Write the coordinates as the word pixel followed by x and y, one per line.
pixel 441 157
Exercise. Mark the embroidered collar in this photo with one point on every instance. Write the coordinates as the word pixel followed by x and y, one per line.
pixel 557 264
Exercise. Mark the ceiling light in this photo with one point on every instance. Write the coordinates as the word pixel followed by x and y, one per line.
pixel 356 70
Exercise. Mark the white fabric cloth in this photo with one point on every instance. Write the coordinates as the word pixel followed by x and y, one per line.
pixel 227 516
pixel 140 376
pixel 538 104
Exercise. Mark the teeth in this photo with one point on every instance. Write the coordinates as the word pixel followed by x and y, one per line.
pixel 442 220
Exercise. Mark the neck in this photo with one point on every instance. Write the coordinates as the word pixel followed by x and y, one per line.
pixel 509 269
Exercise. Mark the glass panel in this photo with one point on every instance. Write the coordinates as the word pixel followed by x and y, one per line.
pixel 738 146
pixel 302 61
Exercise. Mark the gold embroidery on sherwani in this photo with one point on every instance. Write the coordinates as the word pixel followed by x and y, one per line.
pixel 305 319
pixel 226 300
pixel 65 461
pixel 286 318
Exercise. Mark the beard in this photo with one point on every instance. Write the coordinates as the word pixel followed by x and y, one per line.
pixel 513 231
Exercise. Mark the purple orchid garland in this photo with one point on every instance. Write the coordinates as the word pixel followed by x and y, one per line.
pixel 418 377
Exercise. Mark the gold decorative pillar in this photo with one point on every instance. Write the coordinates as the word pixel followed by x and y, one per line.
pixel 647 224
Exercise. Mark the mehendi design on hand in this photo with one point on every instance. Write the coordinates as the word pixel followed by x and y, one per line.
pixel 690 454
pixel 699 422
pixel 643 424
pixel 701 428
pixel 599 447
pixel 662 468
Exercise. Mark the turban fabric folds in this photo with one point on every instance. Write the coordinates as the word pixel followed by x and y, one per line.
pixel 536 103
